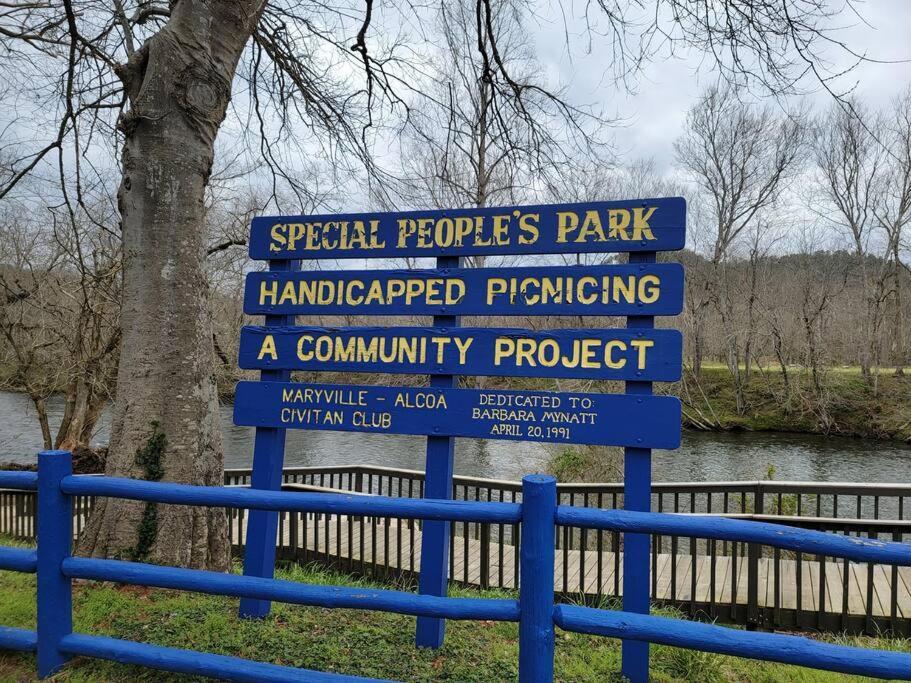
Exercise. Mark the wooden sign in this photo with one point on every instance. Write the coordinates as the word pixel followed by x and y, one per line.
pixel 625 226
pixel 590 354
pixel 602 419
pixel 610 290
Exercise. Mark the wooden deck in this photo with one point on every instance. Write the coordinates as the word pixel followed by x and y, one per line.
pixel 361 544
pixel 354 543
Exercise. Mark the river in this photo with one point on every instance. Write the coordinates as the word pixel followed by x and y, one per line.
pixel 703 456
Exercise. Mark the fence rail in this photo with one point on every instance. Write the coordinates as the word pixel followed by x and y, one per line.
pixel 537 515
pixel 750 584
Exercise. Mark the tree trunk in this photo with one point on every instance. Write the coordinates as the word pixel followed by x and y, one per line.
pixel 898 338
pixel 866 342
pixel 166 418
pixel 778 347
pixel 751 318
pixel 41 410
pixel 81 414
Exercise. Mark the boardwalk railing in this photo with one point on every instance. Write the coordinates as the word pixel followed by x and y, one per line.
pixel 537 516
pixel 734 582
pixel 749 584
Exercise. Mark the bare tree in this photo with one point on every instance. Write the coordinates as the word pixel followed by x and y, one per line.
pixel 89 329
pixel 740 157
pixel 25 279
pixel 849 158
pixel 60 286
pixel 892 210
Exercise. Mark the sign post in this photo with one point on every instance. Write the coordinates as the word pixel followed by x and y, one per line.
pixel 434 576
pixel 268 461
pixel 638 355
pixel 637 495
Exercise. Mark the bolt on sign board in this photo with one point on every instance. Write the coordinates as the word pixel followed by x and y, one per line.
pixel 637 354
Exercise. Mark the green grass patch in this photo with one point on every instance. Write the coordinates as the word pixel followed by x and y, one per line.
pixel 373 644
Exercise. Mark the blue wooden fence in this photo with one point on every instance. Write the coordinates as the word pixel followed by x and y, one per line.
pixel 535 611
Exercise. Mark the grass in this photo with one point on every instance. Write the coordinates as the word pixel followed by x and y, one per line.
pixel 362 643
pixel 799 369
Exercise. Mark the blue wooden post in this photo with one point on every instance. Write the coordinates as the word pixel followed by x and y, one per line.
pixel 637 495
pixel 434 577
pixel 536 579
pixel 55 537
pixel 268 461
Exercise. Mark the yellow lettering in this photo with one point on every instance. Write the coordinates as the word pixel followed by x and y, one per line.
pixel 642 345
pixel 268 289
pixel 625 288
pixel 345 353
pixel 375 242
pixel 588 353
pixel 528 227
pixel 609 348
pixel 619 220
pixel 455 291
pixel 441 343
pixel 591 226
pixel 567 222
pixel 495 286
pixel 548 353
pixel 278 238
pixel 649 289
pixel 424 227
pixel 295 232
pixel 267 348
pixel 525 348
pixel 500 230
pixel 463 227
pixel 581 294
pixel 503 348
pixel 641 229
pixel 407 228
pixel 301 354
pixel 462 345
pixel 351 298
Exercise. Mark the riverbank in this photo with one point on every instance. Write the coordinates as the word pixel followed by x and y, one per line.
pixel 363 643
pixel 844 405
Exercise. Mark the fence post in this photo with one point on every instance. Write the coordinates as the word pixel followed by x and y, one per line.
pixel 485 555
pixel 55 537
pixel 536 587
pixel 754 553
pixel 359 481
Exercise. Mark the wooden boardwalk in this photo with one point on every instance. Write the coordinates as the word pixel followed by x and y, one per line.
pixel 350 542
pixel 363 542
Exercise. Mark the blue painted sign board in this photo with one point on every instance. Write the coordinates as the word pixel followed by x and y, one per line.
pixel 625 226
pixel 545 416
pixel 587 354
pixel 616 289
pixel 639 290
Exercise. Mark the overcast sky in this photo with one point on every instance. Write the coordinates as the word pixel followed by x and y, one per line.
pixel 654 114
